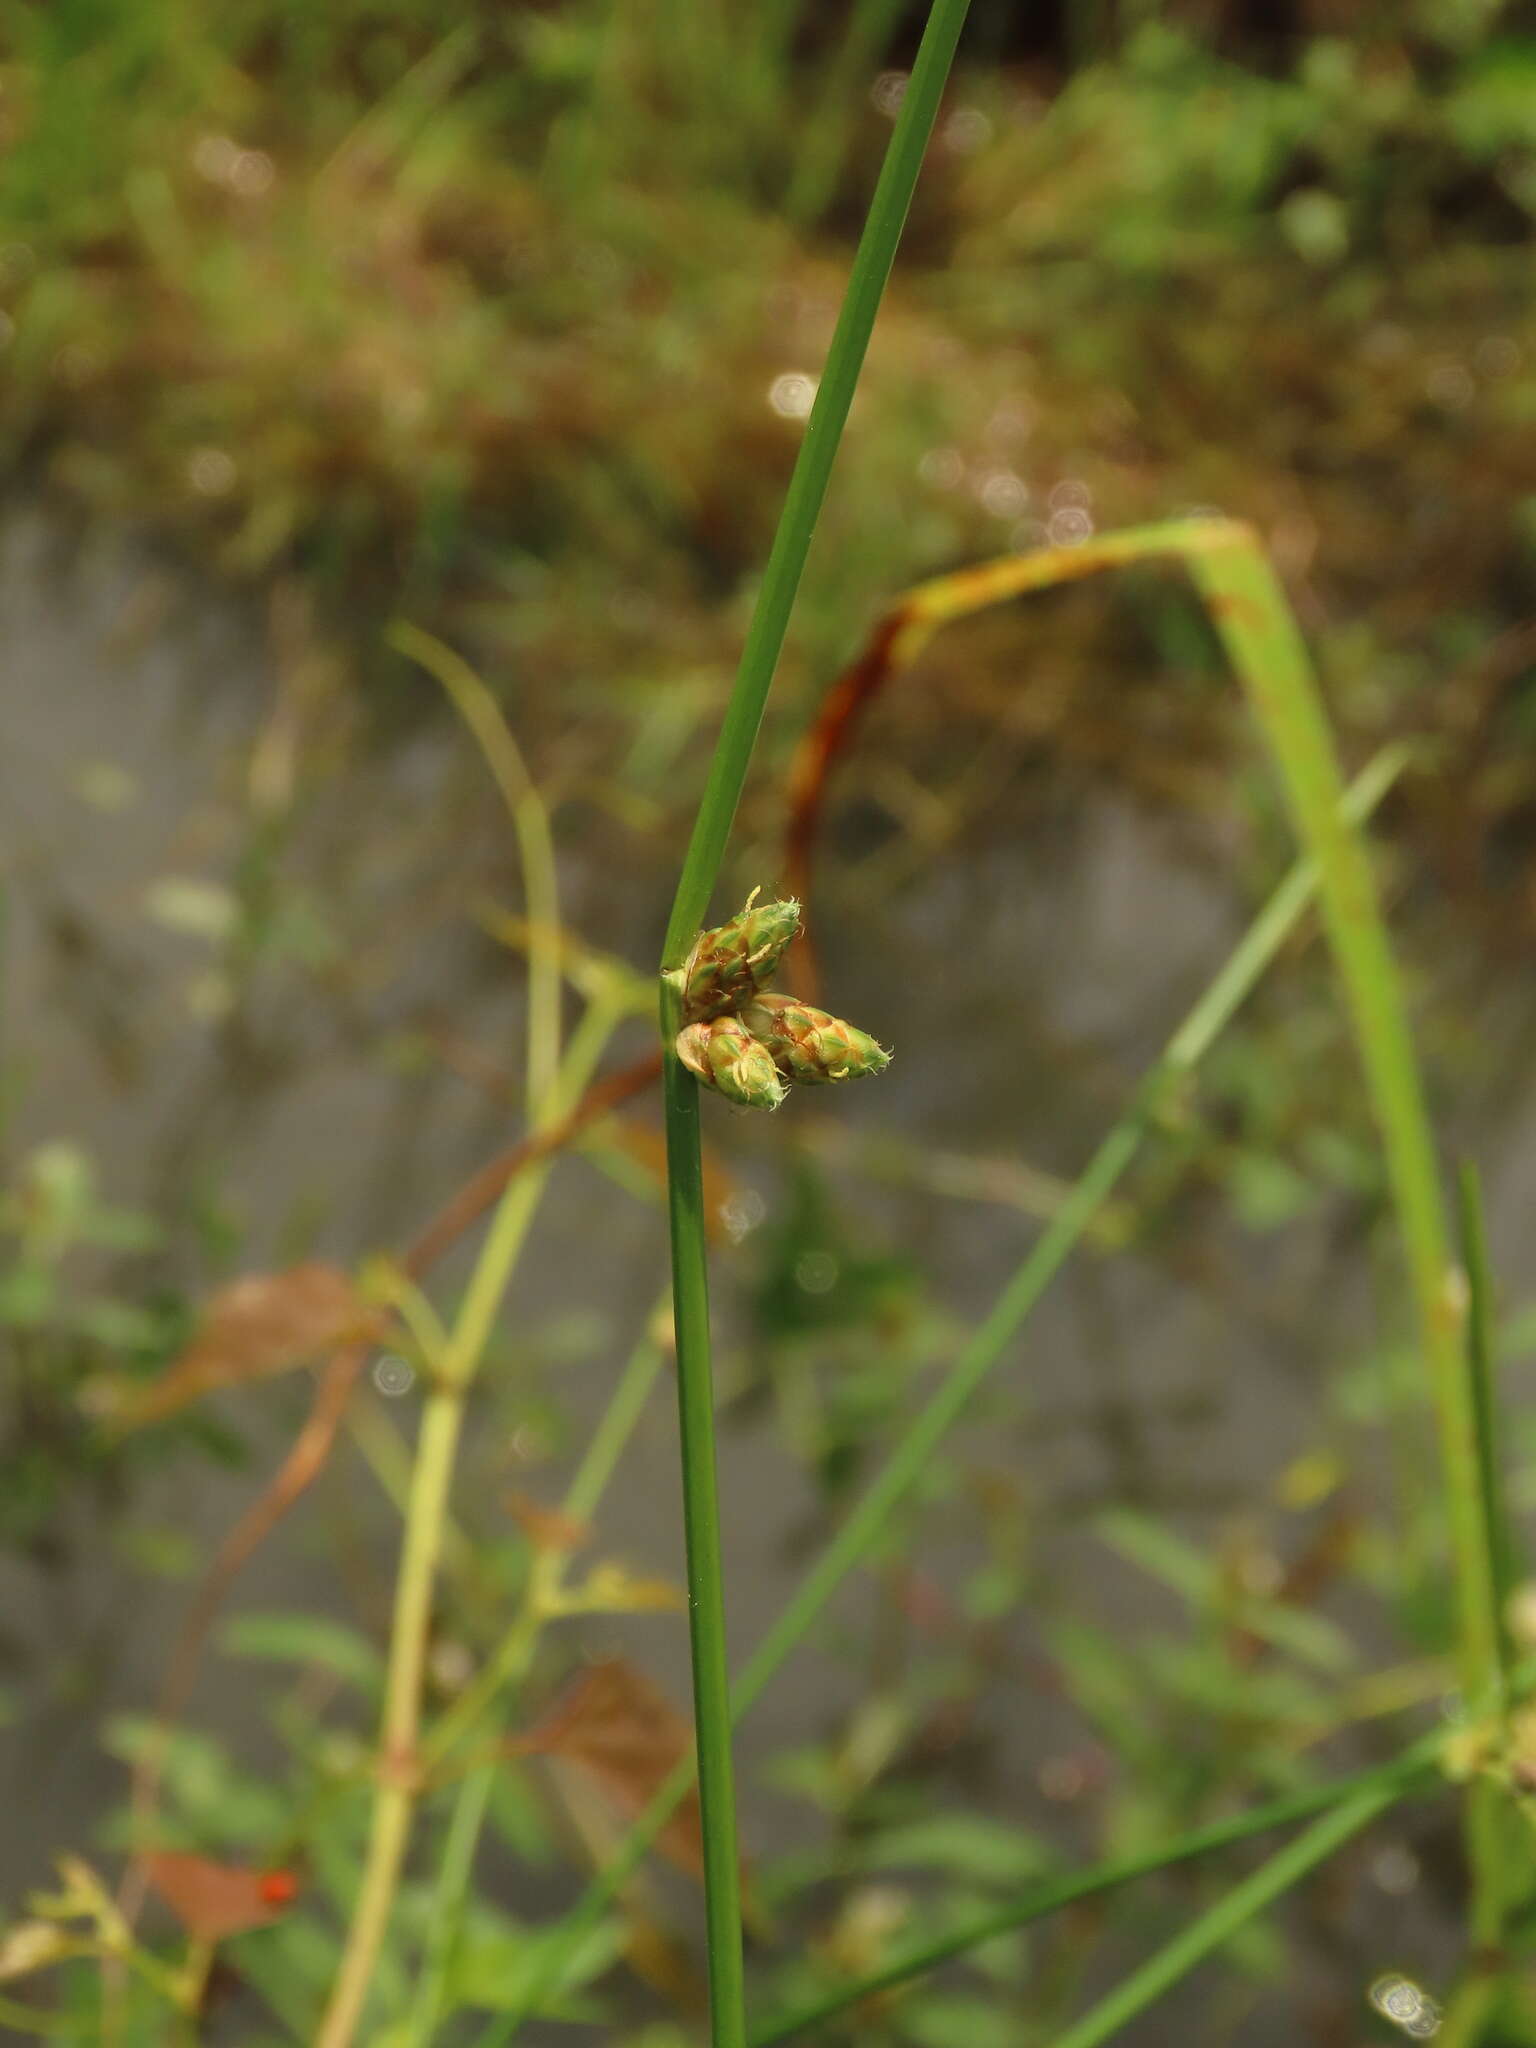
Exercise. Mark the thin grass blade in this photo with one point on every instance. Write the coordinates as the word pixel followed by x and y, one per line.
pixel 701 867
pixel 1246 1900
pixel 1042 1900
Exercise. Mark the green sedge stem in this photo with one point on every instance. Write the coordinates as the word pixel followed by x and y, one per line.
pixel 700 872
pixel 813 467
pixel 1244 1902
pixel 1233 982
pixel 1255 622
pixel 1250 612
pixel 1050 1897
pixel 529 816
pixel 706 1580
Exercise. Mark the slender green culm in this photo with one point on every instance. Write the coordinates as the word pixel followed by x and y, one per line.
pixel 813 468
pixel 696 884
pixel 1264 645
pixel 1248 1898
pixel 701 1528
pixel 1044 1899
pixel 1266 649
pixel 1219 1003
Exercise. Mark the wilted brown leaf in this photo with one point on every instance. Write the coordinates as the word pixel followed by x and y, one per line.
pixel 612 1723
pixel 263 1325
pixel 214 1900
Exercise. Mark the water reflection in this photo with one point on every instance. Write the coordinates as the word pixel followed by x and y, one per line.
pixel 1401 2001
pixel 792 395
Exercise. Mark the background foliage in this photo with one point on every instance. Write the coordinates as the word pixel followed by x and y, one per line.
pixel 509 333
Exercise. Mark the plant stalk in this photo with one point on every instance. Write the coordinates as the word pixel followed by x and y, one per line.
pixel 1244 1902
pixel 426 1513
pixel 813 468
pixel 706 1579
pixel 1055 1893
pixel 1214 1010
pixel 696 883
pixel 395 1798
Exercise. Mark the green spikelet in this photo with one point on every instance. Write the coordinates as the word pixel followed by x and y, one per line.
pixel 726 1057
pixel 809 1046
pixel 730 964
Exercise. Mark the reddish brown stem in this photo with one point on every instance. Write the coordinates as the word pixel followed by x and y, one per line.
pixel 483 1189
pixel 822 743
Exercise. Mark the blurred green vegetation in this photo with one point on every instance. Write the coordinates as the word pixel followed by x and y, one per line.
pixel 509 329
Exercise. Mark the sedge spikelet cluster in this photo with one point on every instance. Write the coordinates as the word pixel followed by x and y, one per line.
pixel 728 965
pixel 726 1057
pixel 810 1046
pixel 746 1043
